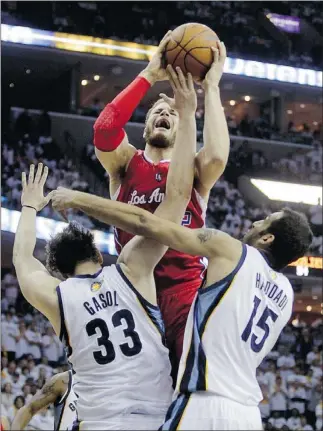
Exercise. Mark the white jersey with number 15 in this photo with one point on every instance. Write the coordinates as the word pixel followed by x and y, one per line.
pixel 233 324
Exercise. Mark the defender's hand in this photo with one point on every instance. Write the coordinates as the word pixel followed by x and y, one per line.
pixel 214 75
pixel 33 190
pixel 155 71
pixel 185 100
pixel 62 198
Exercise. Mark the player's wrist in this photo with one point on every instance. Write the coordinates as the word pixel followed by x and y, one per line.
pixel 211 86
pixel 148 76
pixel 29 207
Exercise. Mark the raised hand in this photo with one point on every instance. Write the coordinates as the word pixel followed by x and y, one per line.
pixel 214 75
pixel 155 71
pixel 33 189
pixel 185 100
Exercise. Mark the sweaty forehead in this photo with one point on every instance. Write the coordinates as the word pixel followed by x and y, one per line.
pixel 160 104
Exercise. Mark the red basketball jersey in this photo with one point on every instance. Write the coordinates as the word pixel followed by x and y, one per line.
pixel 144 186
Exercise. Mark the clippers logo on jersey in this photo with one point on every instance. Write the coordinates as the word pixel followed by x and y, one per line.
pixel 95 286
pixel 187 219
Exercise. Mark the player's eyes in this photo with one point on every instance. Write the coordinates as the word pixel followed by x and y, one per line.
pixel 173 113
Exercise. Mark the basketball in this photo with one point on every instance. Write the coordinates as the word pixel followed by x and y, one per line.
pixel 190 49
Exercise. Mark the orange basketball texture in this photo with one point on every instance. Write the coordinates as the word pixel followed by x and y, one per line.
pixel 190 49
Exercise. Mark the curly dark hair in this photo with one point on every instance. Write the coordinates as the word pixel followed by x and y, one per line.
pixel 75 244
pixel 293 236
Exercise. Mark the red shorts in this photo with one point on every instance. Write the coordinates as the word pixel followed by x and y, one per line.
pixel 175 308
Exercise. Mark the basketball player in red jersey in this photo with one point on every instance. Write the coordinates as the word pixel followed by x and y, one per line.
pixel 139 177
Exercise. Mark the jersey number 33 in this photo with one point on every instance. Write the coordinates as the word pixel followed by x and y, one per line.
pixel 132 345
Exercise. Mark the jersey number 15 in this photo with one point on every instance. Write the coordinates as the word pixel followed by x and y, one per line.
pixel 255 344
pixel 127 349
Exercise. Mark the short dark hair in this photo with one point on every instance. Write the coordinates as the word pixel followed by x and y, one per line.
pixel 75 244
pixel 293 236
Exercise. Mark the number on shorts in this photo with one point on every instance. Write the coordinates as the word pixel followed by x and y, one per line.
pixel 256 345
pixel 103 340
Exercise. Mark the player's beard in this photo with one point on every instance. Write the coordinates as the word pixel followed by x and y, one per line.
pixel 159 140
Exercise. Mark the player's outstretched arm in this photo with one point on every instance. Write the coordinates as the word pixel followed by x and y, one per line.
pixel 211 160
pixel 112 147
pixel 50 392
pixel 199 242
pixel 36 284
pixel 178 187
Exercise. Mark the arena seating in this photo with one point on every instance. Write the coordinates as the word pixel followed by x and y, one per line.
pixel 227 208
pixel 147 22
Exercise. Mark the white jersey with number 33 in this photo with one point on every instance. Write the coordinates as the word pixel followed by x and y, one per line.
pixel 114 339
pixel 232 326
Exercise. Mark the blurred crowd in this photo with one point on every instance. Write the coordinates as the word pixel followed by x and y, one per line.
pixel 261 128
pixel 147 22
pixel 300 166
pixel 290 376
pixel 228 210
pixel 28 143
pixel 30 354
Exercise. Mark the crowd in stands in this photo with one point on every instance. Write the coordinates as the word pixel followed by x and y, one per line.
pixel 298 166
pixel 30 354
pixel 290 376
pixel 28 143
pixel 261 128
pixel 147 22
pixel 227 208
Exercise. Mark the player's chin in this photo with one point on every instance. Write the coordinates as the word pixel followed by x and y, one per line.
pixel 160 139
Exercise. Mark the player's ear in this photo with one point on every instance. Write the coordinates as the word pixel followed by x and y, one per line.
pixel 100 258
pixel 267 239
pixel 145 134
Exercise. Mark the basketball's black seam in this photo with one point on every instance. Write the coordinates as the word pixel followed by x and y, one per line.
pixel 183 47
pixel 179 44
pixel 182 36
pixel 192 38
pixel 189 53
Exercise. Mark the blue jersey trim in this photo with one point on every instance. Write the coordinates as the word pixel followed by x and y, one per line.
pixel 229 277
pixel 63 335
pixel 135 291
pixel 88 275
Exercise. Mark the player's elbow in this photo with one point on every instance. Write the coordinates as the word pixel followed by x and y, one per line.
pixel 146 226
pixel 215 163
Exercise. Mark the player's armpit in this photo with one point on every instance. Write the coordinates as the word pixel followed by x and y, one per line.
pixel 113 161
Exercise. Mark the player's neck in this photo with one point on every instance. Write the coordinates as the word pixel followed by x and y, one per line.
pixel 87 268
pixel 157 154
